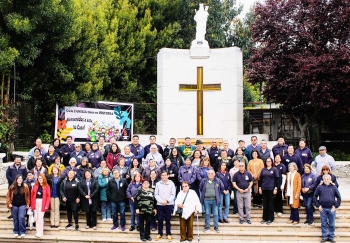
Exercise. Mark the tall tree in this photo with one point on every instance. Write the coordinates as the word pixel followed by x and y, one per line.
pixel 303 57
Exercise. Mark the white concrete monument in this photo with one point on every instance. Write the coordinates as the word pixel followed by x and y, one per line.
pixel 200 91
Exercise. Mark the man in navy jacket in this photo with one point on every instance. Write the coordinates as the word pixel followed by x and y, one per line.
pixel 292 157
pixel 304 152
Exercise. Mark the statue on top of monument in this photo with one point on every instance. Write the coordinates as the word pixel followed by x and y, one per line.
pixel 201 18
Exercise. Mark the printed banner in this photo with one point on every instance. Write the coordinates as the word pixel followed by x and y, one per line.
pixel 87 122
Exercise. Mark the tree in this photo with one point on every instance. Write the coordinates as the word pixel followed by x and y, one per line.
pixel 303 57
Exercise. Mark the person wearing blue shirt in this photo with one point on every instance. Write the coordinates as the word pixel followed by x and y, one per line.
pixel 137 149
pixel 292 157
pixel 304 152
pixel 308 183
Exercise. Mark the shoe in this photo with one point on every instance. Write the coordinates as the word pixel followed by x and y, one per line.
pixel 132 228
pixel 248 221
pixel 295 222
pixel 56 226
pixel 279 214
pixel 269 222
pixel 76 227
pixel 87 227
pixel 104 220
pixel 241 221
pixel 23 235
pixel 38 236
pixel 114 227
pixel 226 221
pixel 52 226
pixel 10 217
pixel 255 205
pixel 159 237
pixel 323 240
pixel 311 223
pixel 235 212
pixel 182 240
pixel 122 228
pixel 290 221
pixel 15 235
pixel 259 206
pixel 189 240
pixel 217 230
pixel 263 222
pixel 332 240
pixel 221 221
pixel 306 222
pixel 206 229
pixel 153 229
pixel 94 228
pixel 149 239
pixel 109 219
pixel 144 240
pixel 69 225
pixel 169 237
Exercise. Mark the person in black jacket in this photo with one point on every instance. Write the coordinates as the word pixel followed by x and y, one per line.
pixel 172 171
pixel 116 192
pixel 70 195
pixel 152 184
pixel 90 198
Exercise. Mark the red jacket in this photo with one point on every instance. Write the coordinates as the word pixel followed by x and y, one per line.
pixel 46 198
pixel 112 160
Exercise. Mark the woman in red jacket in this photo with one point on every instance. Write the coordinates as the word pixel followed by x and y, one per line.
pixel 40 202
pixel 113 156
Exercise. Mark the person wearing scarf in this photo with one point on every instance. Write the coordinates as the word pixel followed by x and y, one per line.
pixel 39 168
pixel 239 155
pixel 190 207
pixel 293 192
pixel 90 198
pixel 224 158
pixel 225 178
pixel 133 187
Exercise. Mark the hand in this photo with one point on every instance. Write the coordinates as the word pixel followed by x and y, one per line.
pixel 246 190
pixel 87 197
pixel 64 199
pixel 241 190
pixel 260 191
pixel 77 200
pixel 195 212
pixel 27 206
pixel 137 211
pixel 333 209
pixel 132 199
pixel 306 190
pixel 296 196
pixel 275 191
pixel 320 208
pixel 165 202
pixel 155 212
pixel 46 209
pixel 180 205
pixel 127 176
pixel 10 206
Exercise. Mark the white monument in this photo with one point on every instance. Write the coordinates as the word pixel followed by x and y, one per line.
pixel 200 91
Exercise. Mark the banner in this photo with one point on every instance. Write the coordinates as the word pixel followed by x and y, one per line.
pixel 87 122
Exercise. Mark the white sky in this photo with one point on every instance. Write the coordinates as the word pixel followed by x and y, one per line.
pixel 247 4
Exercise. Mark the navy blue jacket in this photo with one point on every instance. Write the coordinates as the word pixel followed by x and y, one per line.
pixel 319 179
pixel 277 149
pixel 50 159
pixel 78 156
pixel 327 196
pixel 225 179
pixel 138 151
pixel 148 149
pixel 12 171
pixel 213 153
pixel 66 152
pixel 188 174
pixel 219 188
pixel 200 173
pixel 172 169
pixel 305 154
pixel 133 187
pixel 294 158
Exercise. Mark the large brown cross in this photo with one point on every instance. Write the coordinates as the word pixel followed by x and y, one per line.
pixel 199 87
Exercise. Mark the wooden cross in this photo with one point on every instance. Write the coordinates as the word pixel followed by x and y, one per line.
pixel 199 87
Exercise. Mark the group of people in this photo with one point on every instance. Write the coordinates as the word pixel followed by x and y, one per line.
pixel 159 181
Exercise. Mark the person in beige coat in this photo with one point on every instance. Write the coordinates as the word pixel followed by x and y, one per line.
pixel 293 188
pixel 255 166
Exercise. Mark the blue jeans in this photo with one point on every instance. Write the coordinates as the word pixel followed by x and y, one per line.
pixel 308 207
pixel 19 223
pixel 118 207
pixel 106 209
pixel 134 215
pixel 227 199
pixel 327 216
pixel 164 212
pixel 211 206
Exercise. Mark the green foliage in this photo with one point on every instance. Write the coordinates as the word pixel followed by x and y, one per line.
pixel 45 137
pixel 338 155
pixel 8 126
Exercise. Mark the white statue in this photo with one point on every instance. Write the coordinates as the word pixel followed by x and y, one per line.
pixel 201 18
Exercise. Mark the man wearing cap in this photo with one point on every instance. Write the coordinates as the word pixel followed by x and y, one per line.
pixel 199 146
pixel 213 151
pixel 187 149
pixel 246 151
pixel 324 159
pixel 304 152
pixel 254 145
pixel 280 148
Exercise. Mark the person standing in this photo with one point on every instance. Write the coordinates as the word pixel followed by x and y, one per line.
pixel 280 148
pixel 15 169
pixel 176 157
pixel 133 187
pixel 304 152
pixel 293 192
pixel 232 172
pixel 18 200
pixel 225 146
pixel 268 186
pixel 152 141
pixel 54 180
pixel 50 155
pixel 264 151
pixel 67 150
pixel 255 166
pixel 188 200
pixel 145 208
pixel 327 199
pixel 324 159
pixel 243 182
pixel 172 170
pixel 90 198
pixel 78 153
pixel 40 203
pixel 155 156
pixel 292 157
pixel 164 194
pixel 239 155
pixel 56 163
pixel 116 192
pixel 246 151
pixel 214 151
pixel 137 149
pixel 105 202
pixel 168 148
pixel 38 145
pixel 282 171
pixel 211 189
pixel 95 157
pixel 308 184
pixel 70 196
pixel 254 144
pixel 188 173
pixel 326 170
pixel 31 162
pixel 187 148
pixel 225 178
pixel 113 156
pixel 128 156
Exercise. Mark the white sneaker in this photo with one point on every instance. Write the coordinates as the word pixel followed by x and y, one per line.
pixel 22 236
pixel 109 219
pixel 104 220
pixel 15 235
pixel 279 214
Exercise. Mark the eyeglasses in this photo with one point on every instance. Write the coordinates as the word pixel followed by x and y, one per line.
pixel 241 166
pixel 185 186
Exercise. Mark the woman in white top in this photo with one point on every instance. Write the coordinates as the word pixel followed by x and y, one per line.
pixel 190 207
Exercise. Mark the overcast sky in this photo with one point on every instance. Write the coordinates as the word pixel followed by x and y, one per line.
pixel 247 4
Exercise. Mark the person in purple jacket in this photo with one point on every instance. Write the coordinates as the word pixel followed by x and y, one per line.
pixel 292 157
pixel 280 148
pixel 137 149
pixel 308 184
pixel 304 152
pixel 95 156
pixel 133 187
pixel 188 173
pixel 225 178
pixel 66 150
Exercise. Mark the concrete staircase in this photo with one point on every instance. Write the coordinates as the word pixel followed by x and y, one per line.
pixel 279 231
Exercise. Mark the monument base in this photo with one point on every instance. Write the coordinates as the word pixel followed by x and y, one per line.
pixel 199 49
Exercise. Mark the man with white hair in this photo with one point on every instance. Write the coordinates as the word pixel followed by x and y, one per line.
pixel 155 155
pixel 327 199
pixel 38 144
